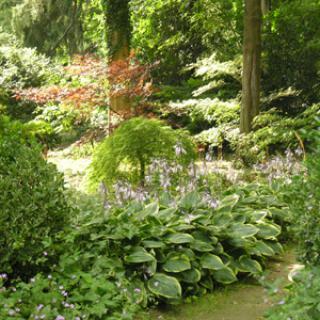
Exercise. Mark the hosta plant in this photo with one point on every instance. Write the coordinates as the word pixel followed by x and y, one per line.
pixel 187 247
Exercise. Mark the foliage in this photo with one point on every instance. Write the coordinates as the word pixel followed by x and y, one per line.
pixel 47 25
pixel 33 207
pixel 177 33
pixel 302 300
pixel 184 248
pixel 69 294
pixel 303 198
pixel 129 151
pixel 275 132
pixel 22 68
pixel 291 45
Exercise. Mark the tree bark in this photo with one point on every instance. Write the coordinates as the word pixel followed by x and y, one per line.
pixel 251 64
pixel 118 29
pixel 265 6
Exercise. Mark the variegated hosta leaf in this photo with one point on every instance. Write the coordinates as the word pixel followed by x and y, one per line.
pixel 211 261
pixel 177 263
pixel 165 286
pixel 225 276
pixel 191 276
pixel 249 265
pixel 260 248
pixel 139 255
pixel 268 230
pixel 240 230
pixel 201 246
pixel 275 246
pixel 180 238
pixel 229 201
pixel 190 200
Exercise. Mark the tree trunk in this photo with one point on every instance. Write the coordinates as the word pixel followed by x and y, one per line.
pixel 265 6
pixel 142 172
pixel 251 64
pixel 118 29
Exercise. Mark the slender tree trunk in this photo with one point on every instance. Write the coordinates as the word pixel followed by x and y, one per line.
pixel 142 172
pixel 251 64
pixel 265 6
pixel 118 29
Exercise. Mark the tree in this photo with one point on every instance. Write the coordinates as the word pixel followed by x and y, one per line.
pixel 118 29
pixel 127 153
pixel 251 64
pixel 49 25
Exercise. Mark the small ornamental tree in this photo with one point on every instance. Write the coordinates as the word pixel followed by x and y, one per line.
pixel 128 152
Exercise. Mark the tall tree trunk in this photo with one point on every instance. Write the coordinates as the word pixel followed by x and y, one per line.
pixel 265 6
pixel 251 64
pixel 118 29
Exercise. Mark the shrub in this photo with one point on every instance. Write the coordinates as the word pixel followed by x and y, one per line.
pixel 22 67
pixel 131 148
pixel 302 301
pixel 303 197
pixel 273 132
pixel 33 207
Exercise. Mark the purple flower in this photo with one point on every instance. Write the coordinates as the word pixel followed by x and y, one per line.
pixel 40 306
pixel 60 317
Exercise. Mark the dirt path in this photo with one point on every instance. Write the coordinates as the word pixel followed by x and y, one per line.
pixel 243 301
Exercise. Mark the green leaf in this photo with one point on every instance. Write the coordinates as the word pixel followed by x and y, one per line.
pixel 211 261
pixel 190 200
pixel 249 265
pixel 225 276
pixel 177 263
pixel 240 230
pixel 139 255
pixel 179 238
pixel 258 216
pixel 260 248
pixel 166 214
pixel 268 230
pixel 229 201
pixel 191 276
pixel 152 244
pixel 151 209
pixel 165 286
pixel 201 246
pixel 275 246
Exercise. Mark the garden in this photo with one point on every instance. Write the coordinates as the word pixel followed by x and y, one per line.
pixel 159 160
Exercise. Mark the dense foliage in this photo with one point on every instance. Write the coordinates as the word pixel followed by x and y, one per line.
pixel 127 153
pixel 33 206
pixel 129 257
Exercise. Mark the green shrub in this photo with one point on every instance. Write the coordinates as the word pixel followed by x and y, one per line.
pixel 273 132
pixel 129 151
pixel 22 67
pixel 33 207
pixel 302 301
pixel 303 198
